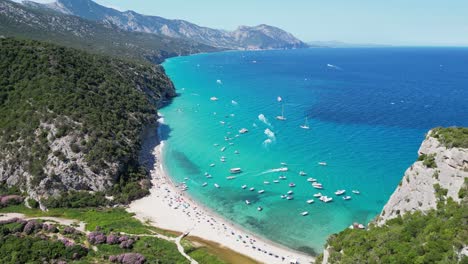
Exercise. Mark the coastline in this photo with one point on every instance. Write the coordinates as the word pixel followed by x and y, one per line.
pixel 169 208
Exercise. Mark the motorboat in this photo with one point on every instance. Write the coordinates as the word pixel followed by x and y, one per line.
pixel 235 170
pixel 301 173
pixel 340 192
pixel 310 201
pixel 292 185
pixel 346 198
pixel 304 213
pixel 318 195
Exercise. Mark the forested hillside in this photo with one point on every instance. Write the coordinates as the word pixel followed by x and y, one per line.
pixel 71 121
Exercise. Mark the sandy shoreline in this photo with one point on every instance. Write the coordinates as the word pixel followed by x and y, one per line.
pixel 167 207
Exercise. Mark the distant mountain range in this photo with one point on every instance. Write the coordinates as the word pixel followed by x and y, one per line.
pixel 252 38
pixel 31 22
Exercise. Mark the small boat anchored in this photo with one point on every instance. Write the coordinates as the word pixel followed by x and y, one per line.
pixel 261 191
pixel 247 202
pixel 304 213
pixel 340 192
pixel 305 125
pixel 292 184
pixel 326 199
pixel 216 185
pixel 318 195
pixel 244 186
pixel 346 198
pixel 310 201
pixel 243 131
pixel 322 163
pixel 301 173
pixel 235 170
pixel 281 117
pixel 356 192
pixel 204 184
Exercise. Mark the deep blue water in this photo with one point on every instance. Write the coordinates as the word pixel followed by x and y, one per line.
pixel 368 111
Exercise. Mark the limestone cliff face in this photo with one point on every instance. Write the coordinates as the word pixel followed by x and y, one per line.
pixel 437 165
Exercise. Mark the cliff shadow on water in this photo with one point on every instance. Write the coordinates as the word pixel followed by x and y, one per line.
pixel 150 139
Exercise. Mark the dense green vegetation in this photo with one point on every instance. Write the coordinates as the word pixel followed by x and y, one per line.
pixel 108 221
pixel 433 237
pixel 456 137
pixel 97 105
pixel 19 21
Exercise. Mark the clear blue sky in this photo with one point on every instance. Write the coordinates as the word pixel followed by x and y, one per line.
pixel 397 22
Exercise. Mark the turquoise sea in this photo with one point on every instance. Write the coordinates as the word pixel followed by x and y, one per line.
pixel 368 111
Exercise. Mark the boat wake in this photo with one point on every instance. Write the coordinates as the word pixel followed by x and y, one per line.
pixel 270 134
pixel 333 67
pixel 264 120
pixel 267 142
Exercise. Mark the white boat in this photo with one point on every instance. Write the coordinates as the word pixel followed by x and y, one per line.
pixel 212 165
pixel 310 201
pixel 317 185
pixel 282 177
pixel 243 131
pixel 223 149
pixel 283 169
pixel 206 174
pixel 305 125
pixel 259 208
pixel 317 195
pixel 322 163
pixel 290 192
pixel 281 117
pixel 222 159
pixel 261 191
pixel 304 213
pixel 284 164
pixel 216 145
pixel 292 184
pixel 230 177
pixel 289 198
pixel 235 170
pixel 326 199
pixel 283 196
pixel 247 202
pixel 311 180
pixel 204 184
pixel 236 152
pixel 216 185
pixel 356 192
pixel 266 182
pixel 275 181
pixel 209 176
pixel 214 98
pixel 252 189
pixel 346 198
pixel 340 192
pixel 244 186
pixel 302 173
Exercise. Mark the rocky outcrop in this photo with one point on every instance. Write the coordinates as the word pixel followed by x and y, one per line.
pixel 439 171
pixel 259 37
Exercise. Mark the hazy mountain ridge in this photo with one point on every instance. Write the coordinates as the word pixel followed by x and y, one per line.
pixel 49 22
pixel 258 37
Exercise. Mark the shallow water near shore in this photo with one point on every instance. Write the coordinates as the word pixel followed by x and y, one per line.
pixel 368 111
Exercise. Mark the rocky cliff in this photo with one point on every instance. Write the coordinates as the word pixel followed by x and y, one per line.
pixel 440 170
pixel 73 121
pixel 259 37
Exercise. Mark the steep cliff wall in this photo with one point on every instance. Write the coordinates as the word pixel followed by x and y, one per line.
pixel 437 168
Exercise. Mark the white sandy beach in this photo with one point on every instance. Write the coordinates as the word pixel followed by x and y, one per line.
pixel 169 208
